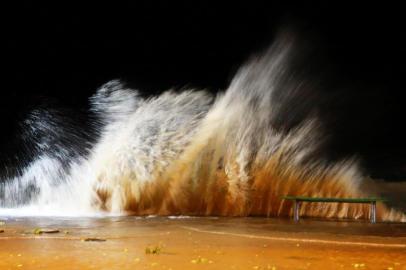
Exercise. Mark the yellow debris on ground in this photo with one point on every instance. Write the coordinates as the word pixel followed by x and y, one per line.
pixel 153 250
pixel 200 260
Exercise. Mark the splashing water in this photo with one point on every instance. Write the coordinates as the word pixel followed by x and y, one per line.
pixel 191 153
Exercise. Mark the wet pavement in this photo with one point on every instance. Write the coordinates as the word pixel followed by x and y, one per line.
pixel 199 243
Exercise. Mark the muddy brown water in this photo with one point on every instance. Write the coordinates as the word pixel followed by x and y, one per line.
pixel 199 243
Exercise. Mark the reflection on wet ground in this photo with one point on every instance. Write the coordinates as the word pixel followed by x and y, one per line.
pixel 199 243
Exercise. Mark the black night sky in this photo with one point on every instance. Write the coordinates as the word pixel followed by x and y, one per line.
pixel 61 53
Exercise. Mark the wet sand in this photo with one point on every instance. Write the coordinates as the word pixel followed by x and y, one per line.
pixel 200 243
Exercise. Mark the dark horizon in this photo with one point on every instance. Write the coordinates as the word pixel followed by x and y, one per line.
pixel 61 54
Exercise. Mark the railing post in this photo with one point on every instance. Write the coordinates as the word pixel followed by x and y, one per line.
pixel 373 212
pixel 296 210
